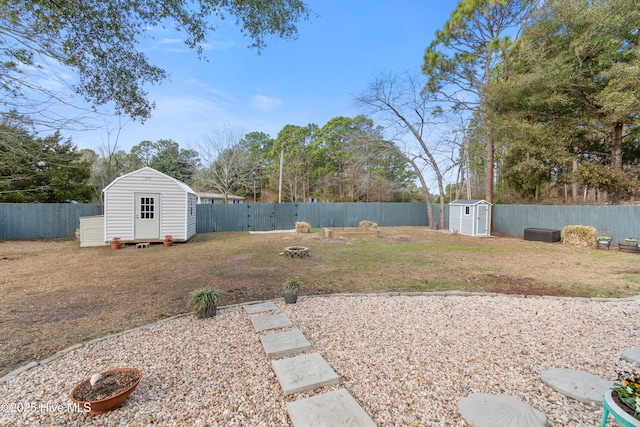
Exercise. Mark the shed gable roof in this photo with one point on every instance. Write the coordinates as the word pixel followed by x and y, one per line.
pixel 180 184
pixel 469 202
pixel 218 196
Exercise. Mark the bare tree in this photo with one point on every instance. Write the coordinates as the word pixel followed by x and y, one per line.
pixel 110 162
pixel 225 162
pixel 406 113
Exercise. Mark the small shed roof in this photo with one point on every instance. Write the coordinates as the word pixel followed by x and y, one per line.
pixel 219 196
pixel 181 184
pixel 469 202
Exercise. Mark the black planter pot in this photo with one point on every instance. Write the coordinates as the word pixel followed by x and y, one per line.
pixel 208 311
pixel 290 296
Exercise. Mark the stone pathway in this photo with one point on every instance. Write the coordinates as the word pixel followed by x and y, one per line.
pixel 338 408
pixel 283 343
pixel 275 321
pixel 631 355
pixel 335 408
pixel 259 308
pixel 578 385
pixel 303 373
pixel 487 410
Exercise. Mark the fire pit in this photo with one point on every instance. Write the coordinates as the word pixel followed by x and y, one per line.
pixel 296 252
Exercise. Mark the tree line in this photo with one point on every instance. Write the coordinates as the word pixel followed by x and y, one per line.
pixel 551 96
pixel 347 159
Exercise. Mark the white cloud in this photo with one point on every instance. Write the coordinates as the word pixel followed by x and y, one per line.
pixel 170 41
pixel 265 103
pixel 219 45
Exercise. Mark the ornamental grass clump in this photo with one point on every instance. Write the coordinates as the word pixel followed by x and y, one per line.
pixel 628 388
pixel 370 225
pixel 579 235
pixel 303 227
pixel 203 302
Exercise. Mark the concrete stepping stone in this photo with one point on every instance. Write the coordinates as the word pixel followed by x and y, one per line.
pixel 259 308
pixel 303 373
pixel 274 321
pixel 578 385
pixel 281 343
pixel 333 409
pixel 631 355
pixel 487 410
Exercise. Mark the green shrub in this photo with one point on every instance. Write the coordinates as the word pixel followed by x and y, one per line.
pixel 579 235
pixel 303 227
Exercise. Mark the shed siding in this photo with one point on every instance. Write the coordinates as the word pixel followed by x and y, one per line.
pixel 92 231
pixel 173 204
pixel 455 218
pixel 467 221
pixel 118 215
pixel 120 204
pixel 192 201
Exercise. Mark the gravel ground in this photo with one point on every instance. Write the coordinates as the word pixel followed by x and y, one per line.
pixel 405 359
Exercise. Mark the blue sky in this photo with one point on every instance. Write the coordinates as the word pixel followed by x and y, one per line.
pixel 308 80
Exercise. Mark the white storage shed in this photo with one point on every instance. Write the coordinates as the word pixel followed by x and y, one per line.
pixel 470 217
pixel 145 205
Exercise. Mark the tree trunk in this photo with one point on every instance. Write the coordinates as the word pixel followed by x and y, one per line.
pixel 574 185
pixel 489 172
pixel 616 148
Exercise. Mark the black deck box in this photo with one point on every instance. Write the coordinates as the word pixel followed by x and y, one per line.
pixel 542 235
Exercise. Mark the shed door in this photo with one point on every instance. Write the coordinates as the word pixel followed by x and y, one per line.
pixel 147 216
pixel 483 220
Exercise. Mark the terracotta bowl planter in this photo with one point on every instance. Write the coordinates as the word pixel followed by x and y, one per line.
pixel 105 405
pixel 116 245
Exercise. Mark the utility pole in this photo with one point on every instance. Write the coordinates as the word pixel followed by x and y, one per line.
pixel 280 181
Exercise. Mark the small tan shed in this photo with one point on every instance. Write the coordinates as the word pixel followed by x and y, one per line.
pixel 145 205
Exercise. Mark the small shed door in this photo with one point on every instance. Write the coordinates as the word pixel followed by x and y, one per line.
pixel 147 216
pixel 483 220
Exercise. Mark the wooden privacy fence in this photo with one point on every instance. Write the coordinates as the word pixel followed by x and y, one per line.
pixel 43 220
pixel 283 216
pixel 60 220
pixel 623 221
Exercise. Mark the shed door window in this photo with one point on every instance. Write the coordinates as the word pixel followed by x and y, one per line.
pixel 466 210
pixel 147 207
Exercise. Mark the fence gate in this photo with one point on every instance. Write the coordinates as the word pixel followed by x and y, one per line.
pixel 285 216
pixel 270 216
